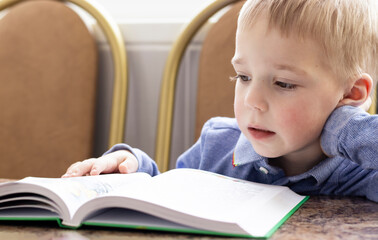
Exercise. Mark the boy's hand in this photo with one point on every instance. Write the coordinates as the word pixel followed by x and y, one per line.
pixel 366 105
pixel 116 162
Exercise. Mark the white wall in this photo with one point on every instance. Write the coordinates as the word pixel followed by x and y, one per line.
pixel 123 10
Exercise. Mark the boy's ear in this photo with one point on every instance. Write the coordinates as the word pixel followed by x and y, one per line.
pixel 359 91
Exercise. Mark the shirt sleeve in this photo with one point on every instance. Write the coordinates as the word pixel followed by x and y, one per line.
pixel 372 191
pixel 352 133
pixel 214 148
pixel 145 163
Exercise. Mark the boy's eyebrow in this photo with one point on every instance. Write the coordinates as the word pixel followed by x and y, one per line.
pixel 291 69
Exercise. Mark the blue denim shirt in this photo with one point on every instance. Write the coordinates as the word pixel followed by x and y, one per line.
pixel 349 139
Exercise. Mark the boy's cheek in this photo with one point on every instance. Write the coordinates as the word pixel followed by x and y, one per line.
pixel 237 110
pixel 291 117
pixel 299 122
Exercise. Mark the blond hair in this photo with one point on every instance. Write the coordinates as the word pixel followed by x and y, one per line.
pixel 346 29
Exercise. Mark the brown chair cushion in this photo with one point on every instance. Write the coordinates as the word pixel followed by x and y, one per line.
pixel 48 68
pixel 215 94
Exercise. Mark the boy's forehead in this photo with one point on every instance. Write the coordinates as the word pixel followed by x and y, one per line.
pixel 261 46
pixel 246 21
pixel 266 25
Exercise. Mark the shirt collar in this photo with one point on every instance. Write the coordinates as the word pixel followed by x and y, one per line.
pixel 244 152
pixel 324 169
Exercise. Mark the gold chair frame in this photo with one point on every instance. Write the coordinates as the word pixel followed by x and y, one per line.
pixel 167 94
pixel 120 84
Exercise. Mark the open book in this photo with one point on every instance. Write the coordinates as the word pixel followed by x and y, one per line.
pixel 181 200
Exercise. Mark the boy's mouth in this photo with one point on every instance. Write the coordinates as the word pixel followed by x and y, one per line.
pixel 258 133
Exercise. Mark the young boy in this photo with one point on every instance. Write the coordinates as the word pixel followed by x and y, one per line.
pixel 303 68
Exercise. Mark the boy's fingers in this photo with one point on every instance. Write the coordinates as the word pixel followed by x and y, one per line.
pixel 120 161
pixel 123 167
pixel 79 168
pixel 366 105
pixel 99 166
pixel 130 165
pixel 105 164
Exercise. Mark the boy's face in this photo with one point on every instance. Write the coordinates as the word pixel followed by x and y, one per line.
pixel 284 93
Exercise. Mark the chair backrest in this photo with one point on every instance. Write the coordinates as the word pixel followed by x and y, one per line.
pixel 48 66
pixel 224 48
pixel 215 91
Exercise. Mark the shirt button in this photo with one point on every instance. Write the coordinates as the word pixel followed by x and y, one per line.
pixel 263 170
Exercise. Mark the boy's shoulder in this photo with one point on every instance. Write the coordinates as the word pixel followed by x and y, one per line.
pixel 221 123
pixel 220 132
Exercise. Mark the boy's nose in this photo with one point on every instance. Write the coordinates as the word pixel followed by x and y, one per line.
pixel 255 98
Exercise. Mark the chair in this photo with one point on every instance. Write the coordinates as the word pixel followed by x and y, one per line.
pixel 219 85
pixel 48 66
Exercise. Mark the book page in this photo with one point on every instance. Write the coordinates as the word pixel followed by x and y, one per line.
pixel 255 207
pixel 205 200
pixel 129 217
pixel 71 193
pixel 18 200
pixel 203 194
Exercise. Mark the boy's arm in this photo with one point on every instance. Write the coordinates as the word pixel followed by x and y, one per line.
pixel 352 133
pixel 192 158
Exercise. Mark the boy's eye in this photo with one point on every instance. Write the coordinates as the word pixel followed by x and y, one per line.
pixel 284 85
pixel 243 78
